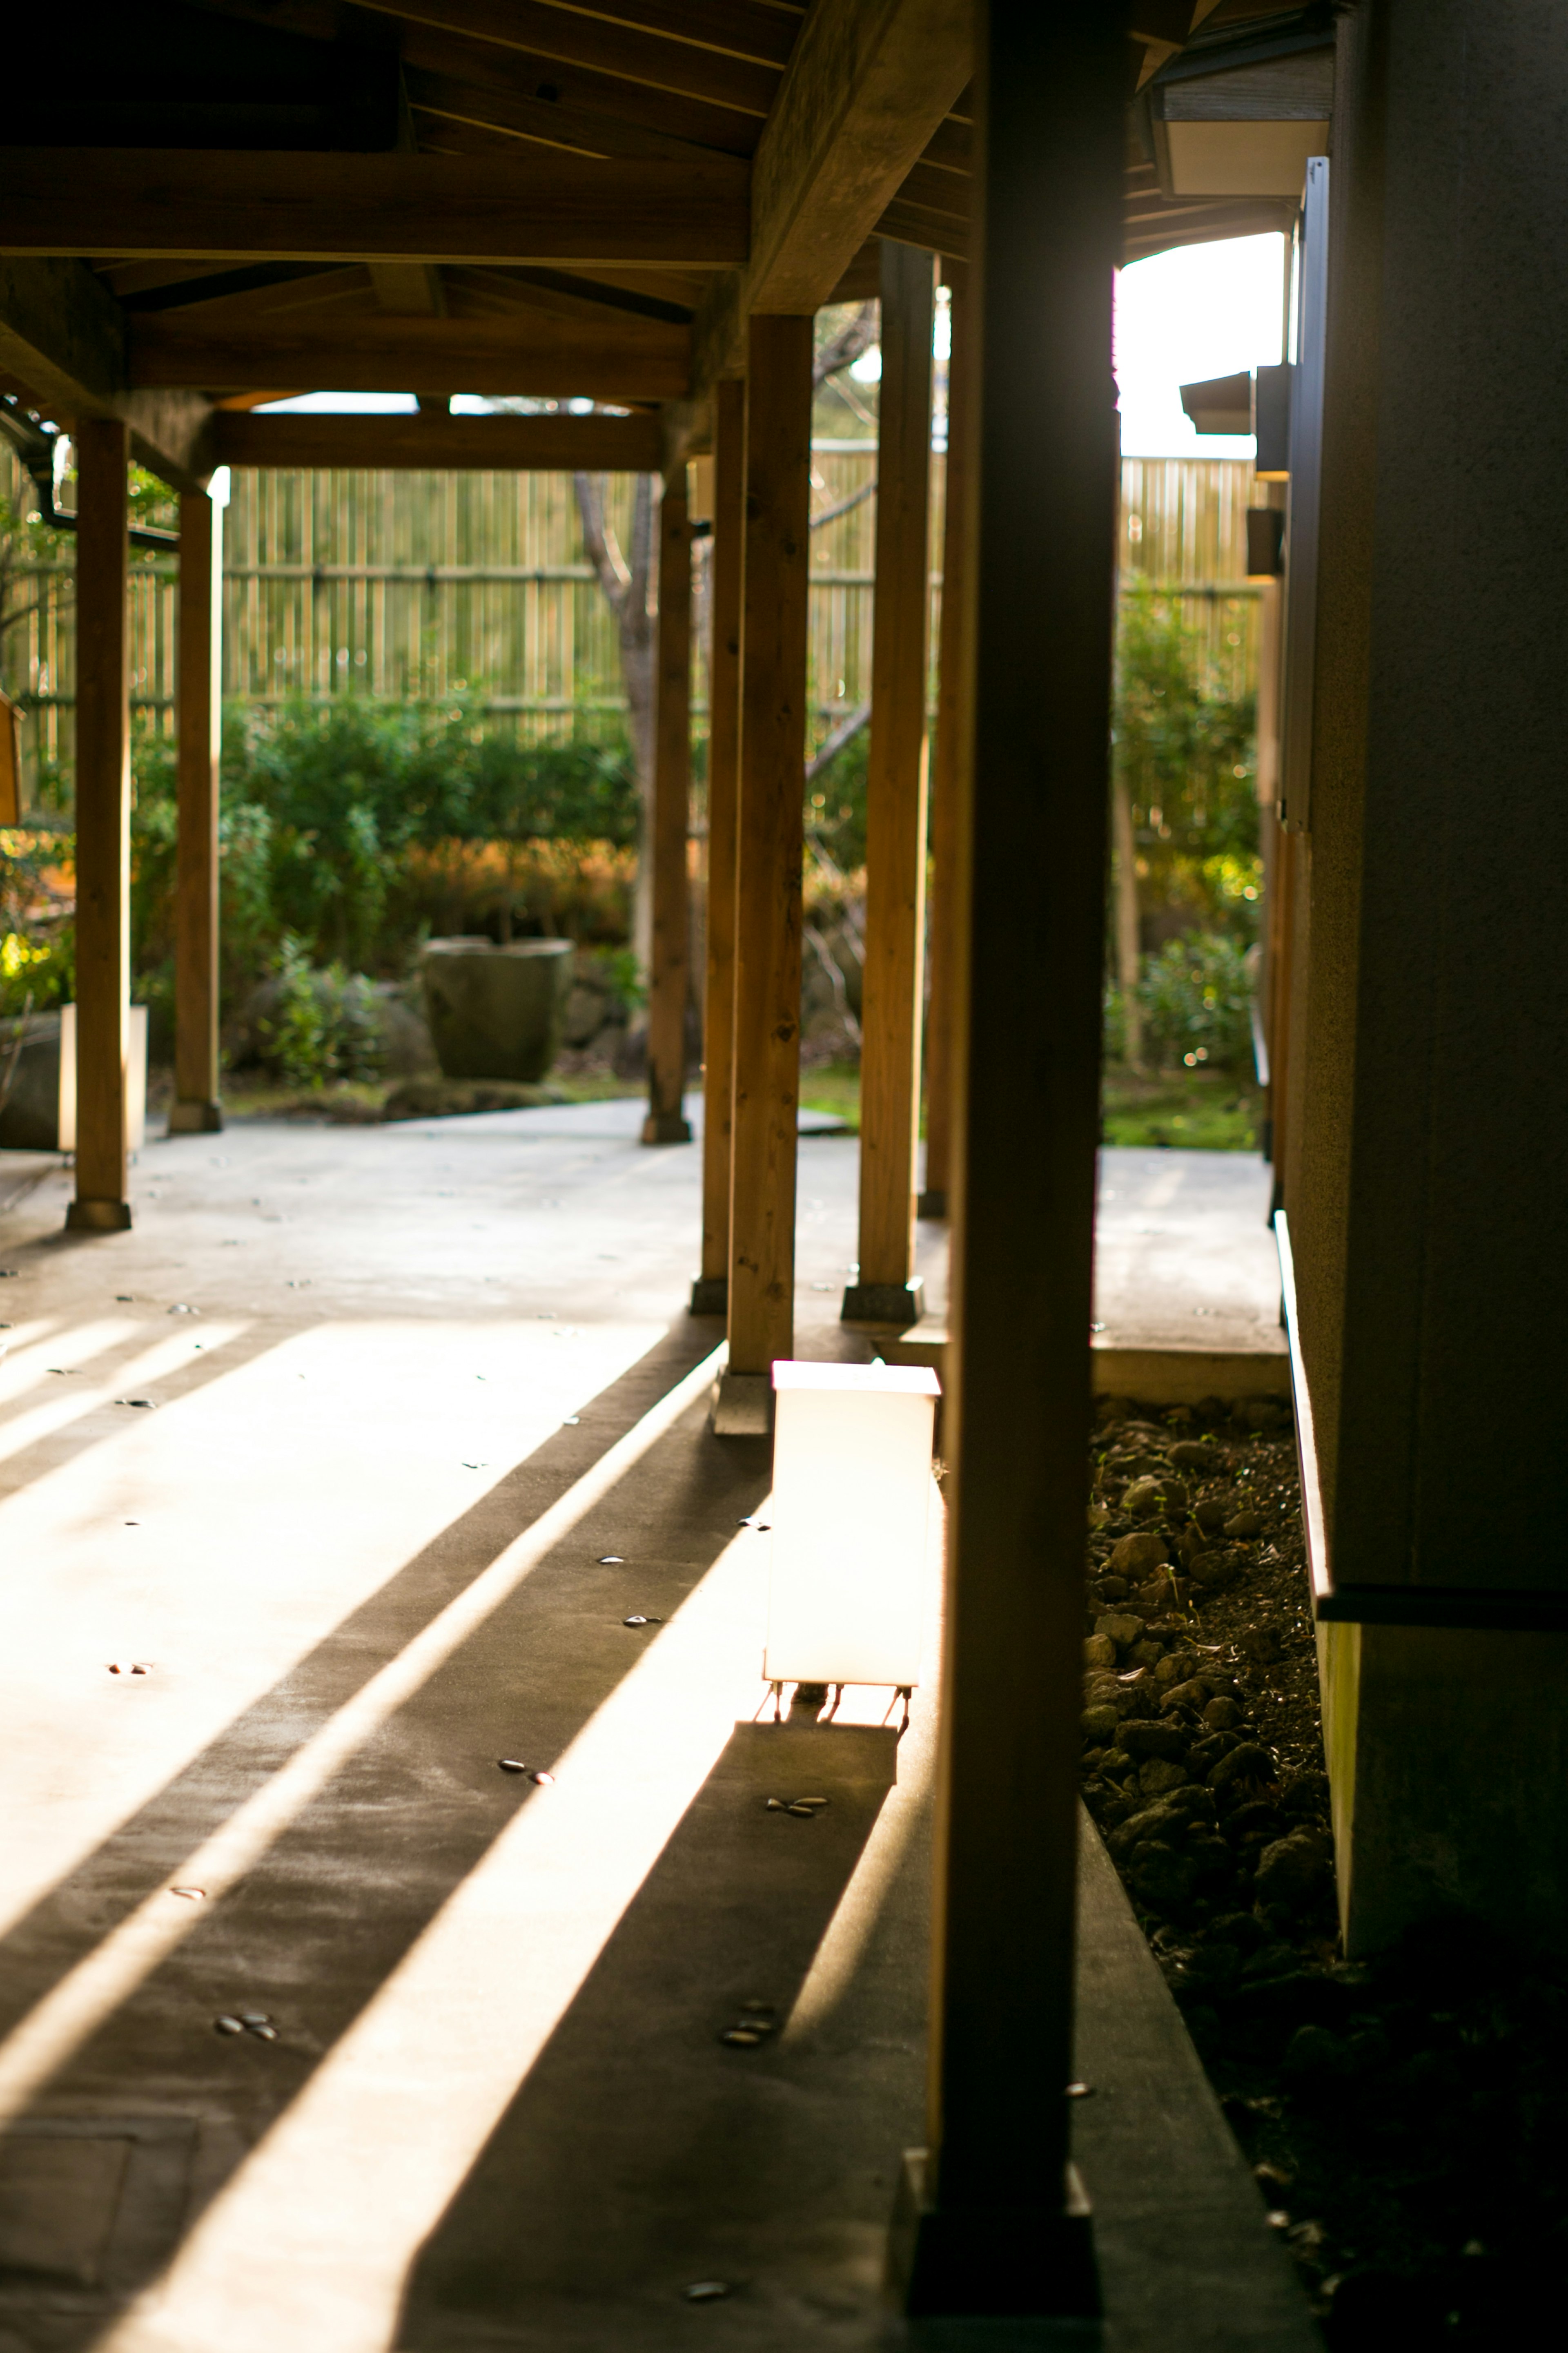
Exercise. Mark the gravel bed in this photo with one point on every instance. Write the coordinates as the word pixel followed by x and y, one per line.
pixel 1403 2116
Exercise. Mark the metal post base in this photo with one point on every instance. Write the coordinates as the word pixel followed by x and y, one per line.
pixel 932 1205
pixel 195 1119
pixel 883 1302
pixel 710 1295
pixel 97 1218
pixel 744 1406
pixel 1005 2260
pixel 666 1127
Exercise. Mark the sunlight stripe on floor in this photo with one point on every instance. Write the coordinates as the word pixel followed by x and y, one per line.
pixel 58 2025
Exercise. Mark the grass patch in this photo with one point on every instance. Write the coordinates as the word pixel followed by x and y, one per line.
pixel 1203 1111
pixel 835 1088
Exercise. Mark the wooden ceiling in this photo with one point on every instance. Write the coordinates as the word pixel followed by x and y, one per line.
pixel 535 197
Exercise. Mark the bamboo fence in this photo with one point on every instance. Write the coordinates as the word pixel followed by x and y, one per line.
pixel 429 586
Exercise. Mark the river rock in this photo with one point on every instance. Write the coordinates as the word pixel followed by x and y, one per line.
pixel 1163 1876
pixel 1099 1650
pixel 1143 1497
pixel 1211 1568
pixel 1176 1667
pixel 1159 1774
pixel 1247 1763
pixel 1212 1514
pixel 1119 1626
pixel 1144 1739
pixel 1193 1693
pixel 1293 1870
pixel 1197 1454
pixel 1221 1714
pixel 1135 1556
pixel 1100 1724
pixel 1243 1524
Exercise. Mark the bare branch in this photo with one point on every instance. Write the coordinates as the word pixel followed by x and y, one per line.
pixel 832 513
pixel 845 733
pixel 855 337
pixel 603 554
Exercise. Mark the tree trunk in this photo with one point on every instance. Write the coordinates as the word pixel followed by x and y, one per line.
pixel 627 583
pixel 1126 887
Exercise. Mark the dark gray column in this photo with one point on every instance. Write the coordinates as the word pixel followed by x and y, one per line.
pixel 1429 1139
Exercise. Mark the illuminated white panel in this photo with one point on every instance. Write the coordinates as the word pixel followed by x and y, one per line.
pixel 852 1485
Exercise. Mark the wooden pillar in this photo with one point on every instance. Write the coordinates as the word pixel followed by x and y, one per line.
pixel 950 722
pixel 710 1291
pixel 195 1109
pixel 102 828
pixel 768 882
pixel 666 1122
pixel 887 1290
pixel 988 2222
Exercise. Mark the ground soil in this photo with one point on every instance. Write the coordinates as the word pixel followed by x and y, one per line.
pixel 1403 2114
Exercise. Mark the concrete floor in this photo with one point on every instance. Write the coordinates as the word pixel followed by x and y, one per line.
pixel 406 1388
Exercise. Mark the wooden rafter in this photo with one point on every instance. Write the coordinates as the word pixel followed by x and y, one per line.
pixel 557 444
pixel 526 207
pixel 602 356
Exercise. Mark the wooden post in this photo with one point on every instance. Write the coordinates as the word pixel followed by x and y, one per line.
pixel 710 1291
pixel 988 2222
pixel 102 828
pixel 195 1109
pixel 952 719
pixel 665 1121
pixel 887 1290
pixel 768 885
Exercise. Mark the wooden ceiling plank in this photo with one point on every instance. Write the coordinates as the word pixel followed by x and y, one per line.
pixel 947 193
pixel 572 128
pixel 572 39
pixel 553 444
pixel 410 289
pixel 606 357
pixel 759 35
pixel 527 207
pixel 937 232
pixel 581 91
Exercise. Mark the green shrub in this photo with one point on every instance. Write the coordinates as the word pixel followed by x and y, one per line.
pixel 1196 998
pixel 321 1025
pixel 1185 750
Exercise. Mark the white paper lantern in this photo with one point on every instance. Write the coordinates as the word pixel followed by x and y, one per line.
pixel 852 1490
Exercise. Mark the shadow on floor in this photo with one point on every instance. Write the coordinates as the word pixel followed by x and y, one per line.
pixel 311 1932
pixel 643 2153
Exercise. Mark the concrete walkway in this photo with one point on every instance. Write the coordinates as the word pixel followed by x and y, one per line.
pixel 326 1487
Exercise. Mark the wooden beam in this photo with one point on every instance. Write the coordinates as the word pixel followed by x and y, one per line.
pixel 771 850
pixel 885 1290
pixel 62 336
pixel 952 726
pixel 867 85
pixel 525 205
pixel 596 445
pixel 102 827
pixel 987 2226
pixel 670 825
pixel 710 1291
pixel 199 690
pixel 601 356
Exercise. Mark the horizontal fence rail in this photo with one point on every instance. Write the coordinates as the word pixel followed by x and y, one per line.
pixel 428 587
